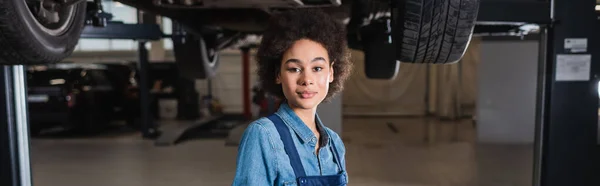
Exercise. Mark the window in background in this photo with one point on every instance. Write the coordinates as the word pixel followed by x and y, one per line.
pixel 122 13
pixel 167 28
pixel 93 45
pixel 123 44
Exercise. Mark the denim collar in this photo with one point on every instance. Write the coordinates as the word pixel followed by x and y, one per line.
pixel 292 120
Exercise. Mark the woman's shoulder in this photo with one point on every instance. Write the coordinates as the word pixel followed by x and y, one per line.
pixel 261 126
pixel 262 122
pixel 259 132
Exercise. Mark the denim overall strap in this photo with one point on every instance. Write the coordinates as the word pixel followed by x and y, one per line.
pixel 337 157
pixel 288 145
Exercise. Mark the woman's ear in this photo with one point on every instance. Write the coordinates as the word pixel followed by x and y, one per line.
pixel 277 77
pixel 331 70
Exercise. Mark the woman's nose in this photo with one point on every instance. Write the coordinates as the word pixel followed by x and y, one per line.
pixel 306 79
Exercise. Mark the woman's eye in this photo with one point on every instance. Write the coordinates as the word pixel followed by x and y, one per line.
pixel 294 69
pixel 318 69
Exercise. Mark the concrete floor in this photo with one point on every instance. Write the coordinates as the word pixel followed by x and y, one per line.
pixel 380 151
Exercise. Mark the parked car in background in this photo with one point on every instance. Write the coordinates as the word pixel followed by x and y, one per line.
pixel 81 96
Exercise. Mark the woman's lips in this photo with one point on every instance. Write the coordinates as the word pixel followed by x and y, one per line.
pixel 307 94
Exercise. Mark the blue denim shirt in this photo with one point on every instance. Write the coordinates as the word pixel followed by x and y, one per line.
pixel 262 159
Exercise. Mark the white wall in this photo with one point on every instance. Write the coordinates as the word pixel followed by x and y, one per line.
pixel 507 92
pixel 331 114
pixel 227 84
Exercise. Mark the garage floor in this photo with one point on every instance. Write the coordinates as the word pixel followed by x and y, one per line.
pixel 388 151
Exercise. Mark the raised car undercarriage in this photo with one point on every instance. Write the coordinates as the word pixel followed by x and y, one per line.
pixel 390 31
pixel 236 15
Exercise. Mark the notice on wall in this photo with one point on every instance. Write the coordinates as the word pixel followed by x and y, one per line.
pixel 576 45
pixel 573 67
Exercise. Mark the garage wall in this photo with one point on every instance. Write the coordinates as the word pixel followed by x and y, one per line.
pixel 403 95
pixel 507 92
pixel 227 84
pixel 452 89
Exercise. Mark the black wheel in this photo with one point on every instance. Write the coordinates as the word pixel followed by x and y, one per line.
pixel 197 57
pixel 34 33
pixel 433 31
pixel 379 49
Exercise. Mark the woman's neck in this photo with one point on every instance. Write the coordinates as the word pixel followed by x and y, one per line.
pixel 307 116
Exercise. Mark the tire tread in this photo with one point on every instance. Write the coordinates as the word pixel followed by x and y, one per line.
pixel 436 31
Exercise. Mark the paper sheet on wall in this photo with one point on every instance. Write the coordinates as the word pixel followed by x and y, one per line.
pixel 573 67
pixel 576 45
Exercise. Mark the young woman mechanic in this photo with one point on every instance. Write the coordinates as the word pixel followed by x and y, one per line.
pixel 302 59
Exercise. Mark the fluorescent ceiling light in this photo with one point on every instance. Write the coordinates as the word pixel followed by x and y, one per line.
pixel 57 81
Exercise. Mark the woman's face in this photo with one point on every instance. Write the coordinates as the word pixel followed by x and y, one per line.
pixel 305 74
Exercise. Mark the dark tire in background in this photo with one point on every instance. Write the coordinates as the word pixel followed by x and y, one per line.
pixel 433 31
pixel 25 39
pixel 196 57
pixel 379 49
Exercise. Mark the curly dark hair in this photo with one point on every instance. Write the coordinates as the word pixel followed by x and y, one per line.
pixel 286 28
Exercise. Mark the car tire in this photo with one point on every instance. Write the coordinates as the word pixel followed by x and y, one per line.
pixel 196 57
pixel 26 41
pixel 433 31
pixel 380 59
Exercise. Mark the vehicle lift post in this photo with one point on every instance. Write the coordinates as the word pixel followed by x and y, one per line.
pixel 246 82
pixel 148 126
pixel 15 169
pixel 566 146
